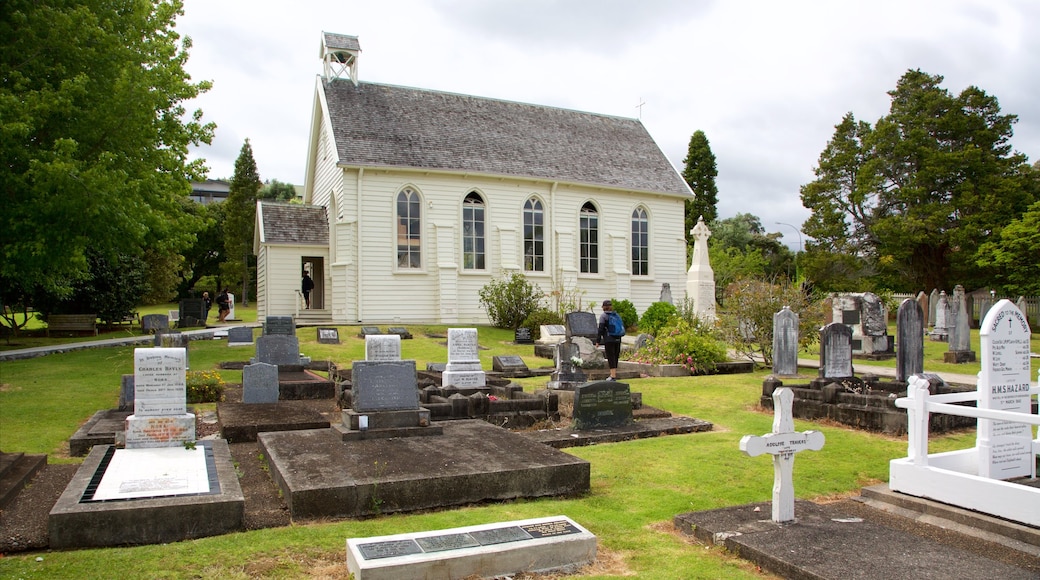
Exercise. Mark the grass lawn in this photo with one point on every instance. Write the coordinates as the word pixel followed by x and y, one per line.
pixel 637 486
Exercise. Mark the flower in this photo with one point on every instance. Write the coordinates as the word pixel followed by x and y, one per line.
pixel 576 361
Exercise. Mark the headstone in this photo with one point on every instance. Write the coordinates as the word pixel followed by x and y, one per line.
pixel 160 416
pixel 943 319
pixel 666 293
pixel 369 330
pixel 260 383
pixel 126 393
pixel 328 336
pixel 384 386
pixel 865 314
pixel 240 335
pixel 782 444
pixel 172 339
pixel 922 301
pixel 700 278
pixel 399 331
pixel 909 340
pixel 785 343
pixel 284 325
pixel 582 324
pixel 155 322
pixel 382 347
pixel 960 327
pixel 278 349
pixel 509 364
pixel 933 302
pixel 551 334
pixel 191 313
pixel 1005 448
pixel 522 335
pixel 836 351
pixel 567 374
pixel 463 368
pixel 643 340
pixel 984 305
pixel 602 404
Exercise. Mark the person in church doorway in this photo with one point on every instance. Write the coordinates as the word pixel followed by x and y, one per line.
pixel 308 285
pixel 611 329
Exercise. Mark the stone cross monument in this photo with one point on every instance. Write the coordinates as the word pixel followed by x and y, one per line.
pixel 700 279
pixel 782 444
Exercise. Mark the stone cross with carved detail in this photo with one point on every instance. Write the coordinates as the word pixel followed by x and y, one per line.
pixel 782 444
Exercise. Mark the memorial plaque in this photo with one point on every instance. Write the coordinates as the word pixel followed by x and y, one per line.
pixel 240 335
pixel 278 349
pixel 582 324
pixel 507 364
pixel 602 404
pixel 390 549
pixel 385 386
pixel 383 347
pixel 399 331
pixel 550 529
pixel 522 336
pixel 276 325
pixel 556 329
pixel 328 336
pixel 500 535
pixel 370 330
pixel 462 345
pixel 446 542
pixel 836 351
pixel 850 316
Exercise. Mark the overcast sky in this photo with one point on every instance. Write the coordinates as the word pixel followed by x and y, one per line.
pixel 766 81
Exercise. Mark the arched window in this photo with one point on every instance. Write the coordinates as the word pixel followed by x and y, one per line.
pixel 534 236
pixel 640 243
pixel 589 226
pixel 473 232
pixel 409 226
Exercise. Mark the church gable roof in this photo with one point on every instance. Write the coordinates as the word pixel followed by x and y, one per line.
pixel 389 126
pixel 293 224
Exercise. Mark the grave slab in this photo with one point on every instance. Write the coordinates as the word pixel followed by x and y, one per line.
pixel 321 476
pixel 240 422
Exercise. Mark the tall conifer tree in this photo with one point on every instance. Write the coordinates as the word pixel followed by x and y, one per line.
pixel 700 173
pixel 240 219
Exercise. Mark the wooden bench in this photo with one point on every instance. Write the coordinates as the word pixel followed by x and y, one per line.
pixel 72 323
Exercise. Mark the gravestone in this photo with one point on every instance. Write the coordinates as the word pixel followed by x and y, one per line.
pixel 126 393
pixel 279 325
pixel 922 301
pixel 1005 448
pixel 984 305
pixel 369 330
pixel 909 340
pixel 522 335
pixel 601 404
pixel 785 343
pixel 643 340
pixel 463 368
pixel 666 293
pixel 959 350
pixel 510 365
pixel 151 323
pixel 865 314
pixel 384 386
pixel 240 336
pixel 174 339
pixel 551 334
pixel 782 444
pixel 567 375
pixel 191 313
pixel 933 303
pixel 260 383
pixel 1023 305
pixel 582 324
pixel 836 351
pixel 160 416
pixel 943 319
pixel 278 349
pixel 382 347
pixel 328 336
pixel 399 331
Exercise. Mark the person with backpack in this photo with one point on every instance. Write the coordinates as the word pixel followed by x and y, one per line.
pixel 611 329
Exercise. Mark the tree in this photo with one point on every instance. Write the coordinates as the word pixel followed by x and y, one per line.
pixel 747 319
pixel 699 172
pixel 240 218
pixel 740 247
pixel 1015 254
pixel 204 256
pixel 93 138
pixel 911 199
pixel 275 190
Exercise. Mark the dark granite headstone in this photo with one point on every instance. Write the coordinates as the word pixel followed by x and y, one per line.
pixel 240 335
pixel 155 322
pixel 399 331
pixel 508 364
pixel 582 324
pixel 785 343
pixel 278 349
pixel 328 336
pixel 384 386
pixel 126 393
pixel 909 340
pixel 191 313
pixel 836 351
pixel 370 330
pixel 602 404
pixel 260 383
pixel 522 336
pixel 284 325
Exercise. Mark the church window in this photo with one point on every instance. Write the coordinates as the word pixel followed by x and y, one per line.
pixel 640 243
pixel 589 228
pixel 473 232
pixel 409 224
pixel 534 236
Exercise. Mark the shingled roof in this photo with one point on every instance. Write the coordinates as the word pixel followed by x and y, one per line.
pixel 389 126
pixel 294 224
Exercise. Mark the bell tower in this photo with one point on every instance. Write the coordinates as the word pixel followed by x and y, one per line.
pixel 340 53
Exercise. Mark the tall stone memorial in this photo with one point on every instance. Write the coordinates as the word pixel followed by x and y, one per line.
pixel 909 340
pixel 959 350
pixel 463 369
pixel 1005 448
pixel 785 343
pixel 160 416
pixel 933 303
pixel 943 319
pixel 700 278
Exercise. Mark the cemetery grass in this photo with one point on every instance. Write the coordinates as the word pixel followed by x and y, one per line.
pixel 637 486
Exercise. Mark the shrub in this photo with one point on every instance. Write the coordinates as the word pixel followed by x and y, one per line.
pixel 627 311
pixel 205 387
pixel 509 301
pixel 539 317
pixel 747 319
pixel 656 317
pixel 691 345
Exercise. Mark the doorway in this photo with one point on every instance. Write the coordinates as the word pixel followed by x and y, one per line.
pixel 315 266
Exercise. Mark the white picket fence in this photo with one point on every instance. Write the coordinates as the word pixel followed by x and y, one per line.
pixel 1032 305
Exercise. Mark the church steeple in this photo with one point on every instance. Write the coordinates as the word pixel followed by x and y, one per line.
pixel 340 53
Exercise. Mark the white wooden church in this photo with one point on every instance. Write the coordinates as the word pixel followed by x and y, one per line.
pixel 415 199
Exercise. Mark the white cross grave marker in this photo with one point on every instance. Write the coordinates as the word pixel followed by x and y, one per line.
pixel 782 444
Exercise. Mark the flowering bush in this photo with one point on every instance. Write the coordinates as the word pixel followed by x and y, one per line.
pixel 691 345
pixel 205 387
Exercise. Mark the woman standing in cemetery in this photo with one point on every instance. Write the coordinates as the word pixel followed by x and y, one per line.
pixel 208 303
pixel 611 329
pixel 223 305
